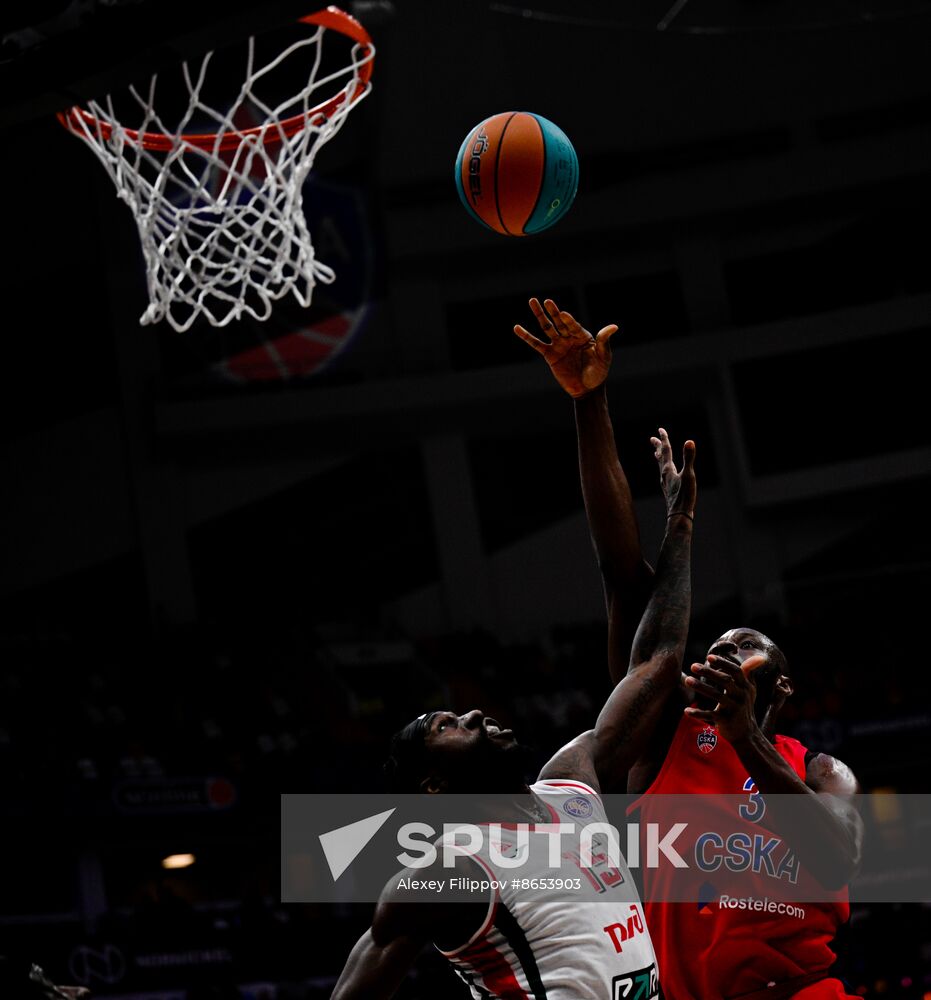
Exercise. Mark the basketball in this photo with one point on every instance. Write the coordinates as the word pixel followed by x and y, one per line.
pixel 517 173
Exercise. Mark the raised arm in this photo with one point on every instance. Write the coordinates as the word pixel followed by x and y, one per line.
pixel 631 714
pixel 580 364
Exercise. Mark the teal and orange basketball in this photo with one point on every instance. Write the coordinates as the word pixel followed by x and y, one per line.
pixel 517 173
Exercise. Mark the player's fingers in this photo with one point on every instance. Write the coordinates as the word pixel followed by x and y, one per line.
pixel 665 455
pixel 751 663
pixel 574 329
pixel 537 309
pixel 723 665
pixel 688 456
pixel 707 690
pixel 528 338
pixel 545 321
pixel 552 310
pixel 709 673
pixel 604 335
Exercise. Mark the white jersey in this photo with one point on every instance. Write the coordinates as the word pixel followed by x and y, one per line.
pixel 588 944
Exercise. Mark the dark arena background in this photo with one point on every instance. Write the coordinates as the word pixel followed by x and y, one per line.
pixel 236 560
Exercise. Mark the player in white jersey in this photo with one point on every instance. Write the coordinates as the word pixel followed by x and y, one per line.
pixel 511 945
pixel 590 941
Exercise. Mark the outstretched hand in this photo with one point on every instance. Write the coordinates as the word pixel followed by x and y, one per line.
pixel 679 487
pixel 578 361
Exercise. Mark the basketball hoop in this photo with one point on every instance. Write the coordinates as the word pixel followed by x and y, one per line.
pixel 220 211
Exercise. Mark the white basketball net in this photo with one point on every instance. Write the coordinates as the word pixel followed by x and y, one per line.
pixel 222 228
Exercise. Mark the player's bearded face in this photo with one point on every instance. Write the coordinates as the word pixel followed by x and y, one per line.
pixel 485 764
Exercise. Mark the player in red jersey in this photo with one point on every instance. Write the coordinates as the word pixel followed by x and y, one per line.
pixel 716 733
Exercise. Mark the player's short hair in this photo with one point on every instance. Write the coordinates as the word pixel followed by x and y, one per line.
pixel 406 766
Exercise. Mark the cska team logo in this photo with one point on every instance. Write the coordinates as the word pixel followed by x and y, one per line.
pixel 707 740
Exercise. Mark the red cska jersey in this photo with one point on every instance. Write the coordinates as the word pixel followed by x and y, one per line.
pixel 724 946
